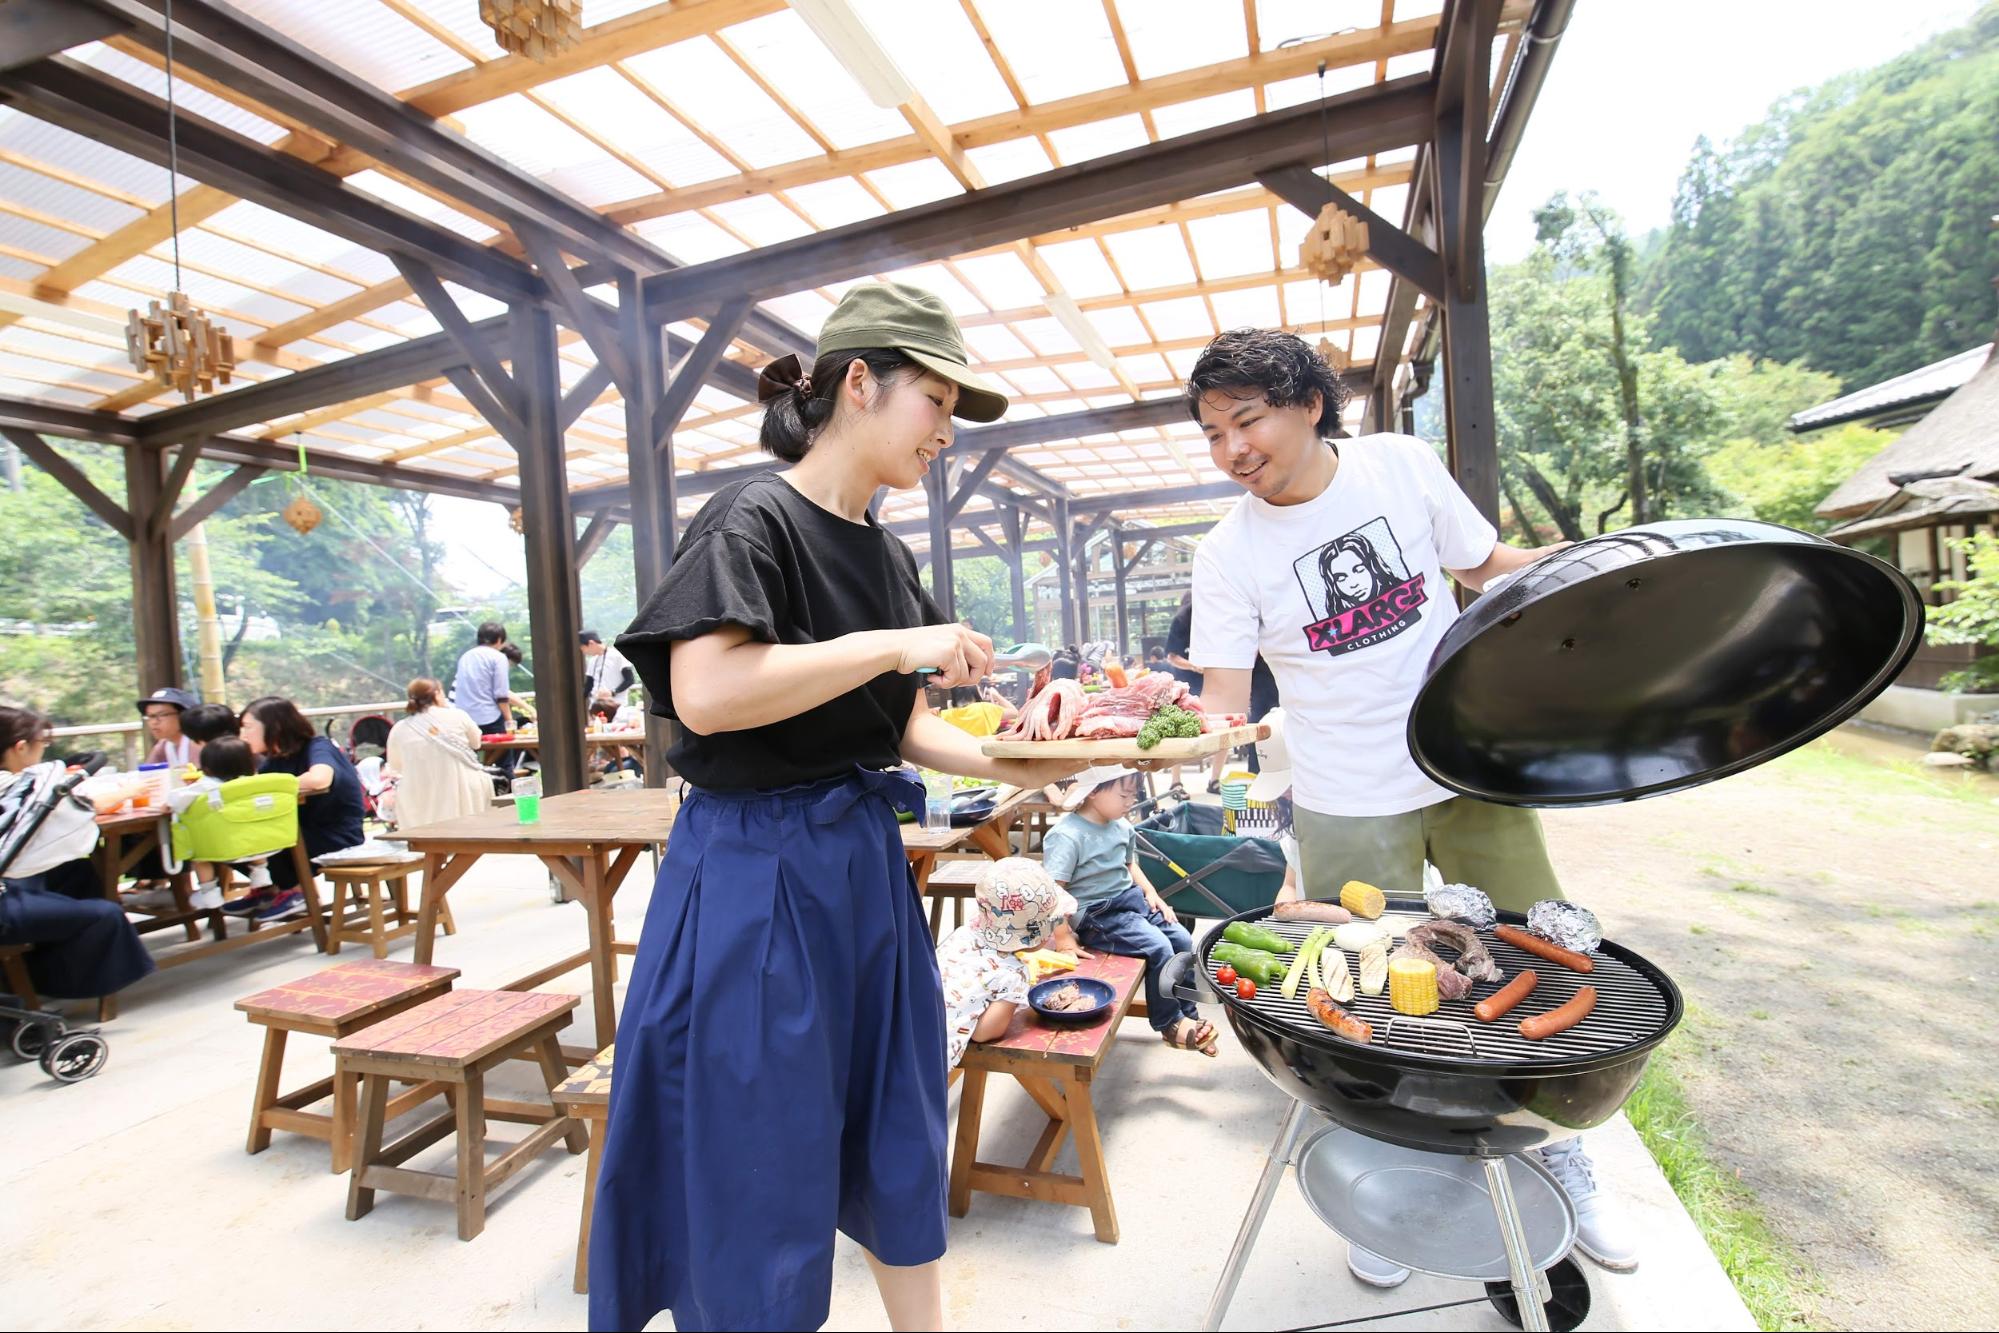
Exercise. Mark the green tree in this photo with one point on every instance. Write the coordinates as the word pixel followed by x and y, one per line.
pixel 1849 229
pixel 1972 614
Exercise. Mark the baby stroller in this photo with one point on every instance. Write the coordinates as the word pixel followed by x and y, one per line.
pixel 36 1034
pixel 1200 868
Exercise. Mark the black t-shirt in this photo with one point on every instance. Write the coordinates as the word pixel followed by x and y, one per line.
pixel 762 556
pixel 1178 636
pixel 331 820
pixel 1262 685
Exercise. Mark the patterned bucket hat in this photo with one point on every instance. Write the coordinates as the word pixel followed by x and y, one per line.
pixel 1018 905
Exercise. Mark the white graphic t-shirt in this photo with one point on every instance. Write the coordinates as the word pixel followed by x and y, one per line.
pixel 1346 598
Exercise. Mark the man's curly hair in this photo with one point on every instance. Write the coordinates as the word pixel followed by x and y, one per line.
pixel 1280 367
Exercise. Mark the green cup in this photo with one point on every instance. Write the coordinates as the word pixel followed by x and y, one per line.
pixel 528 808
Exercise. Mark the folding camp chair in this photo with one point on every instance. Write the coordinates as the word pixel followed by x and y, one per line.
pixel 1201 870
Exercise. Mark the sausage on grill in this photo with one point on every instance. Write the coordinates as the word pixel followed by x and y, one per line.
pixel 1548 949
pixel 1495 1005
pixel 1336 1018
pixel 1542 1026
pixel 1309 909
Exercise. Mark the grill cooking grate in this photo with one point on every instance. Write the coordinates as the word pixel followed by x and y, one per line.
pixel 1630 1008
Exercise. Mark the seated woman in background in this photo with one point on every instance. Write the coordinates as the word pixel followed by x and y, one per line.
pixel 84 948
pixel 434 753
pixel 330 809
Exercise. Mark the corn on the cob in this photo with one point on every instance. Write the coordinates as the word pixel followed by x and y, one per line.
pixel 1363 899
pixel 1412 986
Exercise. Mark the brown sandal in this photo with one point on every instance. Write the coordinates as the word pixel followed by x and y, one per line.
pixel 1191 1034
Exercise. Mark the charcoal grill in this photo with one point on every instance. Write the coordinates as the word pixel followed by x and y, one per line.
pixel 1446 1083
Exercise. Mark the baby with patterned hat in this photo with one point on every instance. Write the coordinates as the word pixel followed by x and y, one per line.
pixel 1019 909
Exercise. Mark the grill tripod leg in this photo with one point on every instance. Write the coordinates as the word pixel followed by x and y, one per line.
pixel 1530 1291
pixel 1281 1149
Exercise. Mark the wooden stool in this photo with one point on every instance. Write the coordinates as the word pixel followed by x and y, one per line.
pixel 956 881
pixel 378 890
pixel 332 1003
pixel 586 1095
pixel 454 1040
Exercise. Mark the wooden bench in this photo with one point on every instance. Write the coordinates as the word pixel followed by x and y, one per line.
pixel 956 882
pixel 586 1095
pixel 455 1040
pixel 373 893
pixel 333 1003
pixel 1055 1066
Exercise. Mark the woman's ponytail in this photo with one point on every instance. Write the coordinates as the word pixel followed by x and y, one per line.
pixel 797 406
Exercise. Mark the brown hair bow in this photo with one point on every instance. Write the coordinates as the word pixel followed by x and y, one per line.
pixel 782 376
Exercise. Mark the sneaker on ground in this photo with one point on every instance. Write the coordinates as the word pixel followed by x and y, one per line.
pixel 248 903
pixel 1602 1230
pixel 1374 1270
pixel 151 900
pixel 283 907
pixel 207 897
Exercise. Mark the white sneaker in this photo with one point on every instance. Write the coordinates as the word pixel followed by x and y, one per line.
pixel 1374 1270
pixel 151 900
pixel 206 898
pixel 1602 1230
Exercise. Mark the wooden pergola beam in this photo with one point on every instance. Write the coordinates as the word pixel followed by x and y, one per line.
pixel 1389 115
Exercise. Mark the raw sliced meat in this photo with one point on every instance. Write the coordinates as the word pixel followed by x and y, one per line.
pixel 1101 728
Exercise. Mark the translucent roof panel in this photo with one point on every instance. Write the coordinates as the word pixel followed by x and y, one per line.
pixel 745 131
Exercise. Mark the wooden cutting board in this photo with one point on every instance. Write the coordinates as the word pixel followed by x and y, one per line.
pixel 1119 751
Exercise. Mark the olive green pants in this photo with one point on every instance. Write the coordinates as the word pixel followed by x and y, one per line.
pixel 1498 848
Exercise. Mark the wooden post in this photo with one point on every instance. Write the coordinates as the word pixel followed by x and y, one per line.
pixel 1065 630
pixel 155 607
pixel 1459 166
pixel 1016 574
pixel 553 598
pixel 1117 573
pixel 937 489
pixel 650 471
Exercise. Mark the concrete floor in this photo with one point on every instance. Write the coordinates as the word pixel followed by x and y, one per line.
pixel 129 1202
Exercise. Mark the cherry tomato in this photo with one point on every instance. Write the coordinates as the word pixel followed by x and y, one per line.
pixel 1226 976
pixel 1245 989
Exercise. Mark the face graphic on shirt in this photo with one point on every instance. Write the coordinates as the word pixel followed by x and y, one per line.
pixel 1359 589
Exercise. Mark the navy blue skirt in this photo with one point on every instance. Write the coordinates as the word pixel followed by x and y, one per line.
pixel 780 1064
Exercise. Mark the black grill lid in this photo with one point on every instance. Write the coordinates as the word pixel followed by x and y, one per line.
pixel 1657 658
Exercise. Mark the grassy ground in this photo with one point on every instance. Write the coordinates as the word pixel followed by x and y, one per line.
pixel 1773 1279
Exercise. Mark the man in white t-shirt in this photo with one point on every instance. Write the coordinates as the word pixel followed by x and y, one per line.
pixel 606 673
pixel 1332 567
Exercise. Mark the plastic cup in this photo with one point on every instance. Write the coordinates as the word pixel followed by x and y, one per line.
pixel 527 807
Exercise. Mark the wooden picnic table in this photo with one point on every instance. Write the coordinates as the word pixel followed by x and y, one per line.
pixel 1056 1067
pixel 589 840
pixel 127 835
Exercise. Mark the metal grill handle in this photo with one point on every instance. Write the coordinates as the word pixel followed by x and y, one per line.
pixel 1444 1029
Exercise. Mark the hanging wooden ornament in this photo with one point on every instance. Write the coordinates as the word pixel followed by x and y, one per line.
pixel 1336 243
pixel 536 29
pixel 177 345
pixel 301 513
pixel 517 520
pixel 1333 355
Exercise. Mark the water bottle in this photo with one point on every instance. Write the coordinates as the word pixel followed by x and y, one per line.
pixel 527 798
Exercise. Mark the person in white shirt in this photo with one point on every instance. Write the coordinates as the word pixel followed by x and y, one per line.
pixel 606 673
pixel 1332 567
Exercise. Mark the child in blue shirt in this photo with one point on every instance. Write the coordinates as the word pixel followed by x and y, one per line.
pixel 1089 852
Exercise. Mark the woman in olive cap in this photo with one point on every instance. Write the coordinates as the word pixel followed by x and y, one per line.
pixel 781 1059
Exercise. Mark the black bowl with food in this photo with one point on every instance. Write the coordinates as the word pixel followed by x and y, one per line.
pixel 1071 1001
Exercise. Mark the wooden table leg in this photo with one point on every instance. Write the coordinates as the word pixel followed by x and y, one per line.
pixel 603 962
pixel 440 871
pixel 1090 1156
pixel 990 838
pixel 308 884
pixel 374 1108
pixel 266 1094
pixel 471 1154
pixel 971 1108
pixel 345 1087
pixel 377 928
pixel 334 927
pixel 598 1131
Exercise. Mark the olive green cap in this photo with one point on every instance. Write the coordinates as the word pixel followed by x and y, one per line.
pixel 918 324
